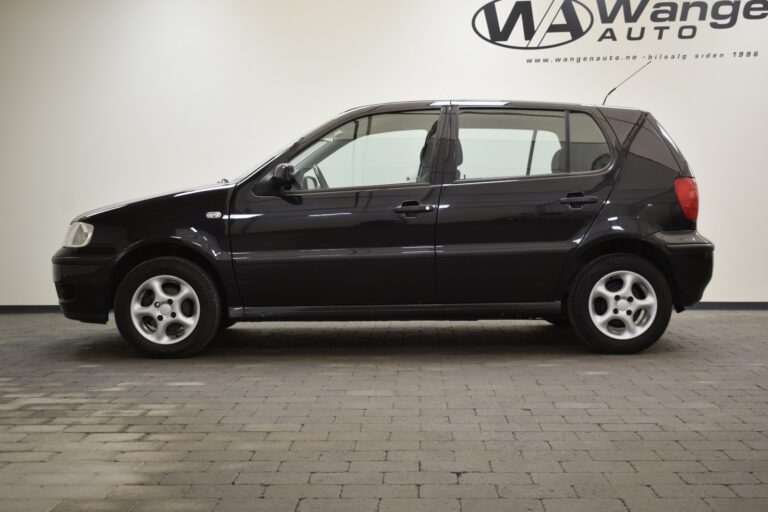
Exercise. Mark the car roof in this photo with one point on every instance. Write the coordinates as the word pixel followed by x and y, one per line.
pixel 405 105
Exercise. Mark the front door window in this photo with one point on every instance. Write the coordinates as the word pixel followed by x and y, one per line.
pixel 378 150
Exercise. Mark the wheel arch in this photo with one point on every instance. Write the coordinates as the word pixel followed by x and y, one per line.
pixel 619 245
pixel 156 249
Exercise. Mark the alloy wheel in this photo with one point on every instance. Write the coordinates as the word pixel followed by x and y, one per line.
pixel 623 305
pixel 165 309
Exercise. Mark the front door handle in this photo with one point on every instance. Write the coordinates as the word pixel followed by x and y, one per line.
pixel 577 199
pixel 413 208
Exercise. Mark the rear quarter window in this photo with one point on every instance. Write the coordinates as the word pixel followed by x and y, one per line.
pixel 649 145
pixel 673 147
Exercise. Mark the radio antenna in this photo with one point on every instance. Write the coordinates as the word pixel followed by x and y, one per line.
pixel 626 80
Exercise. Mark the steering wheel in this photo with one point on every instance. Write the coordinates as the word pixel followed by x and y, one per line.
pixel 304 180
pixel 320 177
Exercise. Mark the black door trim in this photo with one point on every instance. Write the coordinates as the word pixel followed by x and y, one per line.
pixel 400 312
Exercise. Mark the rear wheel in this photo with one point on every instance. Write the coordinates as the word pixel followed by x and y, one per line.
pixel 168 307
pixel 620 304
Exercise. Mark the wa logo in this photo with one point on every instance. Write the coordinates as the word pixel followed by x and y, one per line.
pixel 529 25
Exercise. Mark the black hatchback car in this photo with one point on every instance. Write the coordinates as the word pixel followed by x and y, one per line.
pixel 580 215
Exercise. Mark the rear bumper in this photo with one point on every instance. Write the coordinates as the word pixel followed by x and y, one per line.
pixel 82 284
pixel 690 257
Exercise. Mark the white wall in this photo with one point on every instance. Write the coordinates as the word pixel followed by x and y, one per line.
pixel 102 101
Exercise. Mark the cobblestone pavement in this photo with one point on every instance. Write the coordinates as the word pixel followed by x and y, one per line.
pixel 421 416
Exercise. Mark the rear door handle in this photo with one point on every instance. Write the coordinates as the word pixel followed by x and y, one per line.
pixel 413 208
pixel 577 200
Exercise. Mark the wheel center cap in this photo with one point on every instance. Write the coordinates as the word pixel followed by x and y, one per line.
pixel 623 305
pixel 165 309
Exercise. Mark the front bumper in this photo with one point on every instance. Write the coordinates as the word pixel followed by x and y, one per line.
pixel 82 285
pixel 690 257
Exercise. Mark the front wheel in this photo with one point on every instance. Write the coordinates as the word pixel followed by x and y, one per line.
pixel 168 307
pixel 620 304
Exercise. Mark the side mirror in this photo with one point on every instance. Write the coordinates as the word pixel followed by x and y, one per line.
pixel 284 174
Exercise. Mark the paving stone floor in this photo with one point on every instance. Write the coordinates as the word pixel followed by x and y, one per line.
pixel 422 416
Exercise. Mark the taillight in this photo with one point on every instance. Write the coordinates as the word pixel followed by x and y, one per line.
pixel 688 197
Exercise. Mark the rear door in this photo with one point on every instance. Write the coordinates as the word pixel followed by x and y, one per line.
pixel 524 187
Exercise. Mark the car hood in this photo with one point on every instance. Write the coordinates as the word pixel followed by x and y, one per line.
pixel 89 215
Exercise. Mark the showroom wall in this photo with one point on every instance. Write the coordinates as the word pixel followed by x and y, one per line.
pixel 102 101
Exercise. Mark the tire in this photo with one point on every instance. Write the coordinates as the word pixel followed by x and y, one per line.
pixel 599 318
pixel 559 321
pixel 155 324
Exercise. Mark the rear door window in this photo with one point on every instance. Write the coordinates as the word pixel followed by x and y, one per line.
pixel 589 149
pixel 517 143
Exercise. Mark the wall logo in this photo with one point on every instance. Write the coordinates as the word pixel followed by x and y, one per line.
pixel 514 24
pixel 540 24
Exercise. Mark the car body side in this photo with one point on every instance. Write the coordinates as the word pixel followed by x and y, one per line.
pixel 642 216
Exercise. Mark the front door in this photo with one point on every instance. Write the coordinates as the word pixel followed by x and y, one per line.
pixel 356 228
pixel 525 186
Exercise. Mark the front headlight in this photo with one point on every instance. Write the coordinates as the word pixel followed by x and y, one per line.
pixel 78 235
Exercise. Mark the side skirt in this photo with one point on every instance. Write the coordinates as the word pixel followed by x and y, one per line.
pixel 400 312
